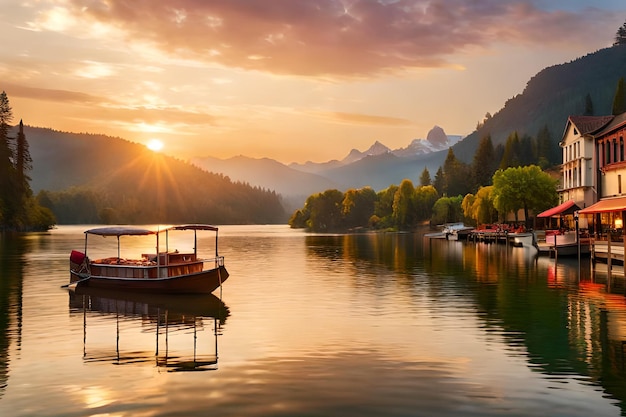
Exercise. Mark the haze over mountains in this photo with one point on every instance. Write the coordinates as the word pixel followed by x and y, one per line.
pixel 62 160
pixel 377 167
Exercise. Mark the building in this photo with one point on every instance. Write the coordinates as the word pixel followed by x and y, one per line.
pixel 579 173
pixel 610 155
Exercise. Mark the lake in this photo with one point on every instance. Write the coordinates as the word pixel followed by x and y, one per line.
pixel 388 324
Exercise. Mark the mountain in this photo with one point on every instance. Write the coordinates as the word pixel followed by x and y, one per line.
pixel 62 160
pixel 551 96
pixel 294 186
pixel 135 185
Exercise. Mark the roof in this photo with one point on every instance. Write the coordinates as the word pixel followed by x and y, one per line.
pixel 120 231
pixel 590 124
pixel 193 227
pixel 616 123
pixel 137 231
pixel 606 205
pixel 565 208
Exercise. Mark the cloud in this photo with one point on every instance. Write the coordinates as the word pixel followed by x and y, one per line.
pixel 47 94
pixel 331 37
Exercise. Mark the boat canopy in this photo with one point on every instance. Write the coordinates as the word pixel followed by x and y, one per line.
pixel 193 227
pixel 569 207
pixel 137 231
pixel 606 205
pixel 120 231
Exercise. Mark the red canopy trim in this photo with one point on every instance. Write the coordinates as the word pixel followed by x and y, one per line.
pixel 560 209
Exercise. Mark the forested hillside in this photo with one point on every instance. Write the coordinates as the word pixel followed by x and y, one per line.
pixel 98 179
pixel 551 96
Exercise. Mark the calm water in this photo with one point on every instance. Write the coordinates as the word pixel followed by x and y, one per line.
pixel 308 325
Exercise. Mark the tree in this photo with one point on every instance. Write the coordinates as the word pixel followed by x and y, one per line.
pixel 403 210
pixel 483 165
pixel 325 209
pixel 527 188
pixel 620 36
pixel 425 177
pixel 456 176
pixel 547 150
pixel 425 198
pixel 447 210
pixel 8 199
pixel 480 207
pixel 511 156
pixel 619 101
pixel 439 182
pixel 357 207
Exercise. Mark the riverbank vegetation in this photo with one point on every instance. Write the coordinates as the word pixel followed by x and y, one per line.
pixel 19 210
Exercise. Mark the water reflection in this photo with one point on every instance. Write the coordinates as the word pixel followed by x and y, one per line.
pixel 12 262
pixel 567 319
pixel 176 323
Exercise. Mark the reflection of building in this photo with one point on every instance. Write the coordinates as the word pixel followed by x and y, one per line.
pixel 177 321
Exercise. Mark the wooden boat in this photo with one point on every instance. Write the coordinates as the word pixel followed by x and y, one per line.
pixel 166 271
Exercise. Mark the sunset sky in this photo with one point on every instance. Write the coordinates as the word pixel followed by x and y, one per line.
pixel 293 80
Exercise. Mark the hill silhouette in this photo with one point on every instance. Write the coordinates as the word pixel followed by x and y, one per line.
pixel 551 96
pixel 135 185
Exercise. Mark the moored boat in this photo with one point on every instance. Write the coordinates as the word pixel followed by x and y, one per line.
pixel 171 272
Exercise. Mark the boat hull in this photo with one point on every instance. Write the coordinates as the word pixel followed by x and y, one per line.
pixel 204 282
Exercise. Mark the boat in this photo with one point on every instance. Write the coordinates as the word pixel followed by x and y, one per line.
pixel 523 240
pixel 168 271
pixel 454 231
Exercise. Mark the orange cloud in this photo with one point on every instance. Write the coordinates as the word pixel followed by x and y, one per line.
pixel 332 37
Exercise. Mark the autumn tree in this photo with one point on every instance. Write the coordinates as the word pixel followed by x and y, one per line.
pixel 403 209
pixel 527 188
pixel 480 207
pixel 425 198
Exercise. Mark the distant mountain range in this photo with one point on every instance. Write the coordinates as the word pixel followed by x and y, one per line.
pixel 62 160
pixel 377 167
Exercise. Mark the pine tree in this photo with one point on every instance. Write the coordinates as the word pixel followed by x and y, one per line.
pixel 483 165
pixel 619 101
pixel 7 199
pixel 425 178
pixel 620 36
pixel 23 162
pixel 439 182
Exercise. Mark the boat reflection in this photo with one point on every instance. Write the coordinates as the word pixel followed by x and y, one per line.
pixel 117 328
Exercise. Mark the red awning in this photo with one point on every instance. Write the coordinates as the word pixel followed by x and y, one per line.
pixel 560 209
pixel 606 205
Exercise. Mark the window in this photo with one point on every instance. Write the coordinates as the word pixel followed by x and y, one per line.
pixel 615 153
pixel 621 148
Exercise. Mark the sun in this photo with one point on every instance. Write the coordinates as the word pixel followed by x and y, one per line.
pixel 154 145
